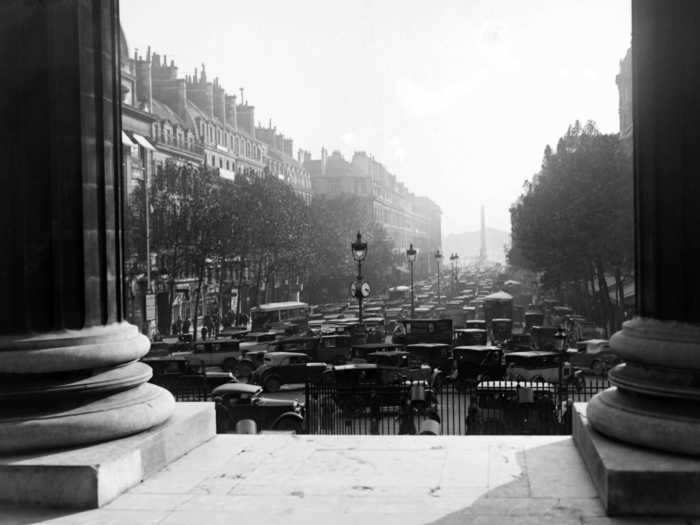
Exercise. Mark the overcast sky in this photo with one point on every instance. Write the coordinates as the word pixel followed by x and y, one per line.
pixel 458 98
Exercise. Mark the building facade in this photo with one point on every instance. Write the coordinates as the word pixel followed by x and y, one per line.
pixel 624 88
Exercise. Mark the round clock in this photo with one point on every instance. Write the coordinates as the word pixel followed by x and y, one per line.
pixel 365 289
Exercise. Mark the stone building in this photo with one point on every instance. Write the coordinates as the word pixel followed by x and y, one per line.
pixel 281 163
pixel 407 218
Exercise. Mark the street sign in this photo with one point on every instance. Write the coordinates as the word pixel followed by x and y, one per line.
pixel 150 307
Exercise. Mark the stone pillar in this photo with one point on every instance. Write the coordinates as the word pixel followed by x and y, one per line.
pixel 69 370
pixel 655 399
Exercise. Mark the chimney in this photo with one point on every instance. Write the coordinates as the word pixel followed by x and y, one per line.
pixel 246 119
pixel 202 95
pixel 231 111
pixel 219 102
pixel 324 160
pixel 144 84
pixel 288 146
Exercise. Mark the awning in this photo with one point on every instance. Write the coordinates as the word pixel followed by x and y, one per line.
pixel 127 141
pixel 143 142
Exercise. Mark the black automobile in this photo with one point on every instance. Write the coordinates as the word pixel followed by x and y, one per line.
pixel 411 331
pixel 470 337
pixel 519 343
pixel 283 368
pixel 333 349
pixel 501 330
pixel 478 363
pixel 359 353
pixel 185 379
pixel 356 386
pixel 438 357
pixel 237 401
pixel 404 362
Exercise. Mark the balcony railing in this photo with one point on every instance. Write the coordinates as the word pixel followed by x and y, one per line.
pixel 195 148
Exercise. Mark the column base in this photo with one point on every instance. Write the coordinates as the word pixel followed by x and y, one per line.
pixel 101 419
pixel 91 476
pixel 636 481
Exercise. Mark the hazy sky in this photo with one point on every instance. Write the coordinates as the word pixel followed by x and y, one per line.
pixel 458 98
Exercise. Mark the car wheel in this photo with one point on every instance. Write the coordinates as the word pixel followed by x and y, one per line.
pixel 272 384
pixel 289 423
pixel 597 368
pixel 229 365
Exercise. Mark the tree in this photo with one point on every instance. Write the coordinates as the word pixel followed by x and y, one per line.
pixel 573 221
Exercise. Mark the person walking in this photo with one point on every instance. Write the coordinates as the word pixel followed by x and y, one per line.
pixel 375 413
pixel 205 332
pixel 406 423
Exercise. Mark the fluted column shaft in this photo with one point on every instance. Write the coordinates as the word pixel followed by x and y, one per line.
pixel 655 399
pixel 65 350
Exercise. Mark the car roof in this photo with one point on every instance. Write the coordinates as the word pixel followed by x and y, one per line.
pixel 228 388
pixel 427 345
pixel 532 353
pixel 355 366
pixel 370 346
pixel 276 306
pixel 391 353
pixel 470 330
pixel 477 348
pixel 285 354
pixel 502 320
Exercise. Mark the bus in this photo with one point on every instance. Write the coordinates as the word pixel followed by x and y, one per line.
pixel 272 316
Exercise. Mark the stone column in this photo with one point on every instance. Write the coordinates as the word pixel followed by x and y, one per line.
pixel 655 401
pixel 69 370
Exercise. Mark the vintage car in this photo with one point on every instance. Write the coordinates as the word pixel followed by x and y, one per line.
pixel 237 401
pixel 331 348
pixel 501 330
pixel 218 352
pixel 359 353
pixel 544 338
pixel 533 318
pixel 519 343
pixel 541 366
pixel 479 324
pixel 404 362
pixel 438 356
pixel 185 378
pixel 513 407
pixel 233 332
pixel 357 385
pixel 411 331
pixel 282 368
pixel 470 337
pixel 256 340
pixel 594 355
pixel 376 329
pixel 474 363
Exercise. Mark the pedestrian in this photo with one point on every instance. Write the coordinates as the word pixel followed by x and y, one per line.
pixel 375 413
pixel 406 423
pixel 205 332
pixel 186 326
pixel 473 421
pixel 178 326
pixel 327 412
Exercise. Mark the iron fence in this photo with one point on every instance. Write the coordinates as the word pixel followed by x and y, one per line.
pixel 411 408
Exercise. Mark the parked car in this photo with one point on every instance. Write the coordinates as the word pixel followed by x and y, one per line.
pixel 539 366
pixel 331 348
pixel 479 324
pixel 357 385
pixel 411 331
pixel 184 377
pixel 438 356
pixel 519 343
pixel 376 330
pixel 476 363
pixel 501 330
pixel 594 355
pixel 219 352
pixel 513 407
pixel 237 401
pixel 282 368
pixel 359 353
pixel 470 337
pixel 405 362
pixel 544 338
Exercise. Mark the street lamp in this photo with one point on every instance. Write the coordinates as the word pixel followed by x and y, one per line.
pixel 560 345
pixel 411 256
pixel 453 261
pixel 359 288
pixel 438 259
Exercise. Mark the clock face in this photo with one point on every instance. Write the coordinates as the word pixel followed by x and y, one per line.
pixel 365 290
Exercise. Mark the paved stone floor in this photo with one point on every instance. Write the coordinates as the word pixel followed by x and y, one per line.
pixel 402 480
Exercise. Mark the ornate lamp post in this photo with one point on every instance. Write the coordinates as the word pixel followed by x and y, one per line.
pixel 453 262
pixel 560 336
pixel 438 259
pixel 411 256
pixel 359 289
